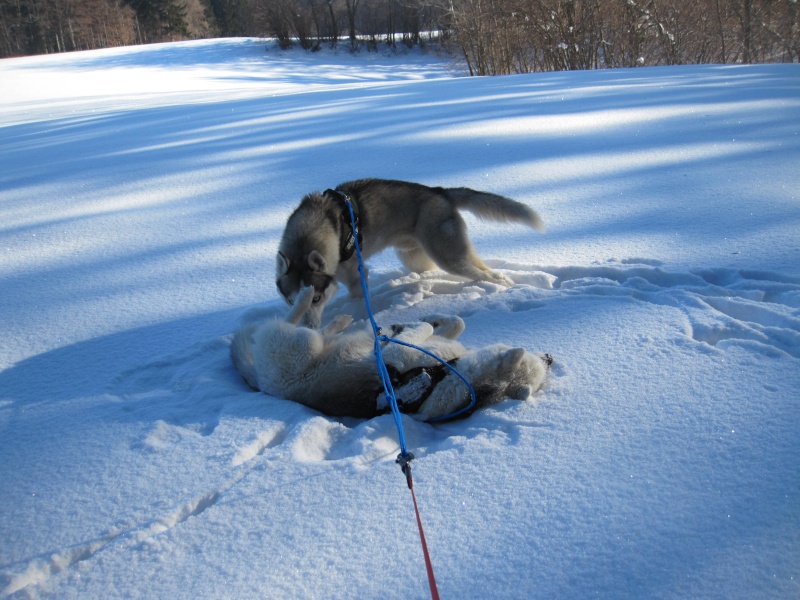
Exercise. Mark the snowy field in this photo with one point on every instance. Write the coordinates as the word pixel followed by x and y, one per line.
pixel 143 192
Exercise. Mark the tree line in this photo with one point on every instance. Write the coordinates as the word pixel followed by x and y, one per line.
pixel 516 36
pixel 491 36
pixel 46 26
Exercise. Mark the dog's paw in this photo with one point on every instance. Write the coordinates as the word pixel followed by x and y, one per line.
pixel 498 278
pixel 506 281
pixel 436 320
pixel 415 332
pixel 447 326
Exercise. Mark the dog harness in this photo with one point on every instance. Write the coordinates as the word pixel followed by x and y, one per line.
pixel 347 243
pixel 414 386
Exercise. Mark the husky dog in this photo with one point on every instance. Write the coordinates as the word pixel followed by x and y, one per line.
pixel 421 222
pixel 333 370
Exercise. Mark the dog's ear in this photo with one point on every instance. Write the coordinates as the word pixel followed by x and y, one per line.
pixel 282 265
pixel 316 261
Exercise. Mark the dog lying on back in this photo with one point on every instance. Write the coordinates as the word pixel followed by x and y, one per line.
pixel 422 223
pixel 333 370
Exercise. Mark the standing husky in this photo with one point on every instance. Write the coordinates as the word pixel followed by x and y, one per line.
pixel 334 371
pixel 421 222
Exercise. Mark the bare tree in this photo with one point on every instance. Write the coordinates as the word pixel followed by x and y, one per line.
pixel 492 36
pixel 40 26
pixel 351 7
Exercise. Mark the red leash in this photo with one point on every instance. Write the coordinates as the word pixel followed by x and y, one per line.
pixel 405 464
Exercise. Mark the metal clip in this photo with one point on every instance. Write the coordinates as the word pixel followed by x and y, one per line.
pixel 404 460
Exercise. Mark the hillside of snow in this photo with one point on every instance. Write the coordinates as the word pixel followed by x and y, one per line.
pixel 143 192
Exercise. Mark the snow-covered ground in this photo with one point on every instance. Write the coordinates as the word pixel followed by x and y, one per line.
pixel 142 195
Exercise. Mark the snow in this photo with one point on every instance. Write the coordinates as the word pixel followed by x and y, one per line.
pixel 142 196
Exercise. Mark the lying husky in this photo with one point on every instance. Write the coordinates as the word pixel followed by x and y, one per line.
pixel 334 371
pixel 421 222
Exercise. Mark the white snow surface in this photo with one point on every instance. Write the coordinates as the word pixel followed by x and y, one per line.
pixel 143 192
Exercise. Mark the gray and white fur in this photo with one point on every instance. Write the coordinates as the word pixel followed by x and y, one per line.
pixel 333 370
pixel 422 223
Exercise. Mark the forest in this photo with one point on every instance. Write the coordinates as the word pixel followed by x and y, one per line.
pixel 491 36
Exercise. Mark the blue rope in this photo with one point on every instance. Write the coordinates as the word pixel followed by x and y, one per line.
pixel 379 337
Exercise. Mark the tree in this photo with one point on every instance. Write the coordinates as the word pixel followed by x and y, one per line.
pixel 159 20
pixel 42 26
pixel 492 36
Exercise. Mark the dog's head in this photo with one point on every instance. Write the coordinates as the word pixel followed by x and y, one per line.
pixel 295 275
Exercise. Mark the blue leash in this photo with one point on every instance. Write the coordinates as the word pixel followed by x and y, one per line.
pixel 405 456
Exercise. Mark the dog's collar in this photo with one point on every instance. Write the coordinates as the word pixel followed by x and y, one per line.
pixel 349 234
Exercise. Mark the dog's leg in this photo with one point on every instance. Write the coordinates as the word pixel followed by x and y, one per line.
pixel 415 259
pixel 302 303
pixel 347 273
pixel 412 333
pixel 444 238
pixel 420 334
pixel 402 357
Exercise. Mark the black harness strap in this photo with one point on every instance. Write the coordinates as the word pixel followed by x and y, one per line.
pixel 347 243
pixel 427 378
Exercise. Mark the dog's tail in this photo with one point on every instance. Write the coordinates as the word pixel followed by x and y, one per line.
pixel 494 207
